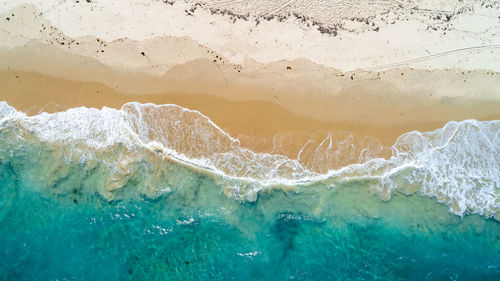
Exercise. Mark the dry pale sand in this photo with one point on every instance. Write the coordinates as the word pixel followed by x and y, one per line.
pixel 424 34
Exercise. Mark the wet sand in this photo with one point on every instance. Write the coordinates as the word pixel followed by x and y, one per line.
pixel 261 124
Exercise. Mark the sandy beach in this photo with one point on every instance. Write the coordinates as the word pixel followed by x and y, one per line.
pixel 269 103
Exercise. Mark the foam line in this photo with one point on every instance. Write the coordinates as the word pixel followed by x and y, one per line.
pixel 458 164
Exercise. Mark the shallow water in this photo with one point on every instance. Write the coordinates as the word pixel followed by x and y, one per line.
pixel 70 210
pixel 197 233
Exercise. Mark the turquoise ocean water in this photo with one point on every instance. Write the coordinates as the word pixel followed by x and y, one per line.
pixel 111 195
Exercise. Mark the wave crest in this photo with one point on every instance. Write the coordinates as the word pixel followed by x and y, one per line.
pixel 458 164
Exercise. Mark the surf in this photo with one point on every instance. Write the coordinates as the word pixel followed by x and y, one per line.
pixel 457 165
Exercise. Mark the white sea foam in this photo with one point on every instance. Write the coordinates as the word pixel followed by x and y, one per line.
pixel 458 164
pixel 6 113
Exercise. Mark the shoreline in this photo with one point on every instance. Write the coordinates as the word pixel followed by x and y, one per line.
pixel 273 107
pixel 417 162
pixel 260 124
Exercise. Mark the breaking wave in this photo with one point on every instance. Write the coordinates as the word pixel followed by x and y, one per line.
pixel 458 164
